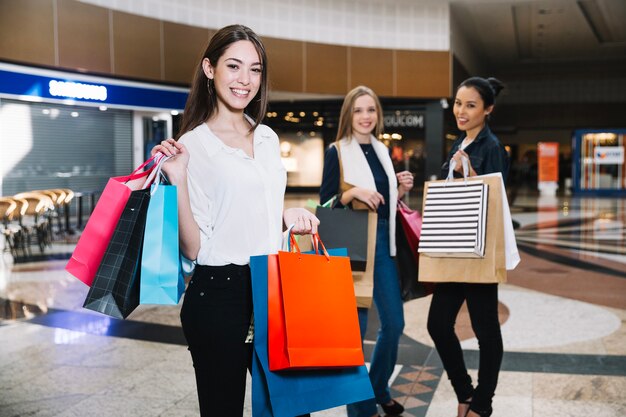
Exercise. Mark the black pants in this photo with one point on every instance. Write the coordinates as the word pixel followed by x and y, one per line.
pixel 215 317
pixel 482 303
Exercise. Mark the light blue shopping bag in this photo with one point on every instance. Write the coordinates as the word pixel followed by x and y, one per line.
pixel 161 279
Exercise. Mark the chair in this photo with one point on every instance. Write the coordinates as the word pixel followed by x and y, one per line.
pixel 38 209
pixel 58 197
pixel 13 234
pixel 7 207
pixel 21 237
pixel 68 196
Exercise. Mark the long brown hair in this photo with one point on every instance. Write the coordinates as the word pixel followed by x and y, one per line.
pixel 202 100
pixel 347 112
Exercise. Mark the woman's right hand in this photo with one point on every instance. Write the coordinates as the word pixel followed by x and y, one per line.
pixel 371 198
pixel 176 167
pixel 168 147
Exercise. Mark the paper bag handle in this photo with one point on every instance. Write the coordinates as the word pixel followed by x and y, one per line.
pixel 138 173
pixel 465 164
pixel 292 243
pixel 156 174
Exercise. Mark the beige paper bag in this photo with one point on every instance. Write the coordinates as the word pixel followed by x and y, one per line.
pixel 364 280
pixel 491 268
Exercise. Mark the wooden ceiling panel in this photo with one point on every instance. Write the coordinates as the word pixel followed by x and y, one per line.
pixel 83 36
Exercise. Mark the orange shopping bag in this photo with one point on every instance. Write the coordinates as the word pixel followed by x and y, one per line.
pixel 312 313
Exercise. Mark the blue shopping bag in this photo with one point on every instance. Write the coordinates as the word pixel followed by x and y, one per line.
pixel 162 280
pixel 295 392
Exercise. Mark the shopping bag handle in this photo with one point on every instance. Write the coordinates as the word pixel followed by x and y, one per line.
pixel 315 237
pixel 292 243
pixel 156 175
pixel 139 173
pixel 465 164
pixel 332 202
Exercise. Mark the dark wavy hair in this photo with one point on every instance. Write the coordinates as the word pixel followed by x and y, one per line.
pixel 202 102
pixel 488 88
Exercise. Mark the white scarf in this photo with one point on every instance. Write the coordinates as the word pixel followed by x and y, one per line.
pixel 357 172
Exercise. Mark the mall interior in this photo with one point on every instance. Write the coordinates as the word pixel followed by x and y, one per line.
pixel 88 87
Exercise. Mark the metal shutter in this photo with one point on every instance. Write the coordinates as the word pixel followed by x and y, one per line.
pixel 43 146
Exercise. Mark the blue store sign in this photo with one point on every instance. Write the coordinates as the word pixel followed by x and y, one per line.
pixel 36 84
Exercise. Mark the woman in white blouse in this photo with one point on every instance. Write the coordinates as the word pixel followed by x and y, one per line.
pixel 231 187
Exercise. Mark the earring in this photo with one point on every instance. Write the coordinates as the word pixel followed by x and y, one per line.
pixel 209 86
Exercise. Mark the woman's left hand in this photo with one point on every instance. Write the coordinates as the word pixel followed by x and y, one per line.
pixel 303 220
pixel 405 181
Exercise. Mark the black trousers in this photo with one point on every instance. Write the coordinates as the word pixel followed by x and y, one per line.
pixel 482 303
pixel 215 317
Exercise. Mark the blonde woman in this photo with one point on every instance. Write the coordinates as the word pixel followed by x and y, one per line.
pixel 369 182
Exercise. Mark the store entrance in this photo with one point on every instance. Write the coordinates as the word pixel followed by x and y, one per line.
pixel 150 128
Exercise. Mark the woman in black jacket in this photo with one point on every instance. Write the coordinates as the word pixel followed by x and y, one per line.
pixel 473 103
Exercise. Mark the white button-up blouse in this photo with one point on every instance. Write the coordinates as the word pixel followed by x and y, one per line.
pixel 236 200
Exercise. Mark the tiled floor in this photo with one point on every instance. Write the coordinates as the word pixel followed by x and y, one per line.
pixel 563 311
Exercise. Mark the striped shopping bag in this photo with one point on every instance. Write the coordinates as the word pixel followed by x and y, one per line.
pixel 454 219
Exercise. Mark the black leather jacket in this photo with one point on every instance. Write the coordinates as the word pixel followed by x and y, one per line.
pixel 487 155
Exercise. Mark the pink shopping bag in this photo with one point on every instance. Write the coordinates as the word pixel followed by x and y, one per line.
pixel 95 238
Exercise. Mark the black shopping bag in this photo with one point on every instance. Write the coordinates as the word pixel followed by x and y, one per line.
pixel 406 260
pixel 345 228
pixel 356 231
pixel 115 288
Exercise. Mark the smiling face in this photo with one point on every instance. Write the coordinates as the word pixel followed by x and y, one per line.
pixel 237 75
pixel 469 111
pixel 364 116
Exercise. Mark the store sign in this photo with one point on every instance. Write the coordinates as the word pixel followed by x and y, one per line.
pixel 548 155
pixel 408 119
pixel 77 90
pixel 548 161
pixel 28 83
pixel 608 155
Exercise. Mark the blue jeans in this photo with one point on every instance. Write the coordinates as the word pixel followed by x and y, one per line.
pixel 388 302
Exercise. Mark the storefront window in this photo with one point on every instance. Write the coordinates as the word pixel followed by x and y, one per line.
pixel 600 161
pixel 48 146
pixel 306 128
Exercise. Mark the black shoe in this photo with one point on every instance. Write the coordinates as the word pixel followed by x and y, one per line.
pixel 394 409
